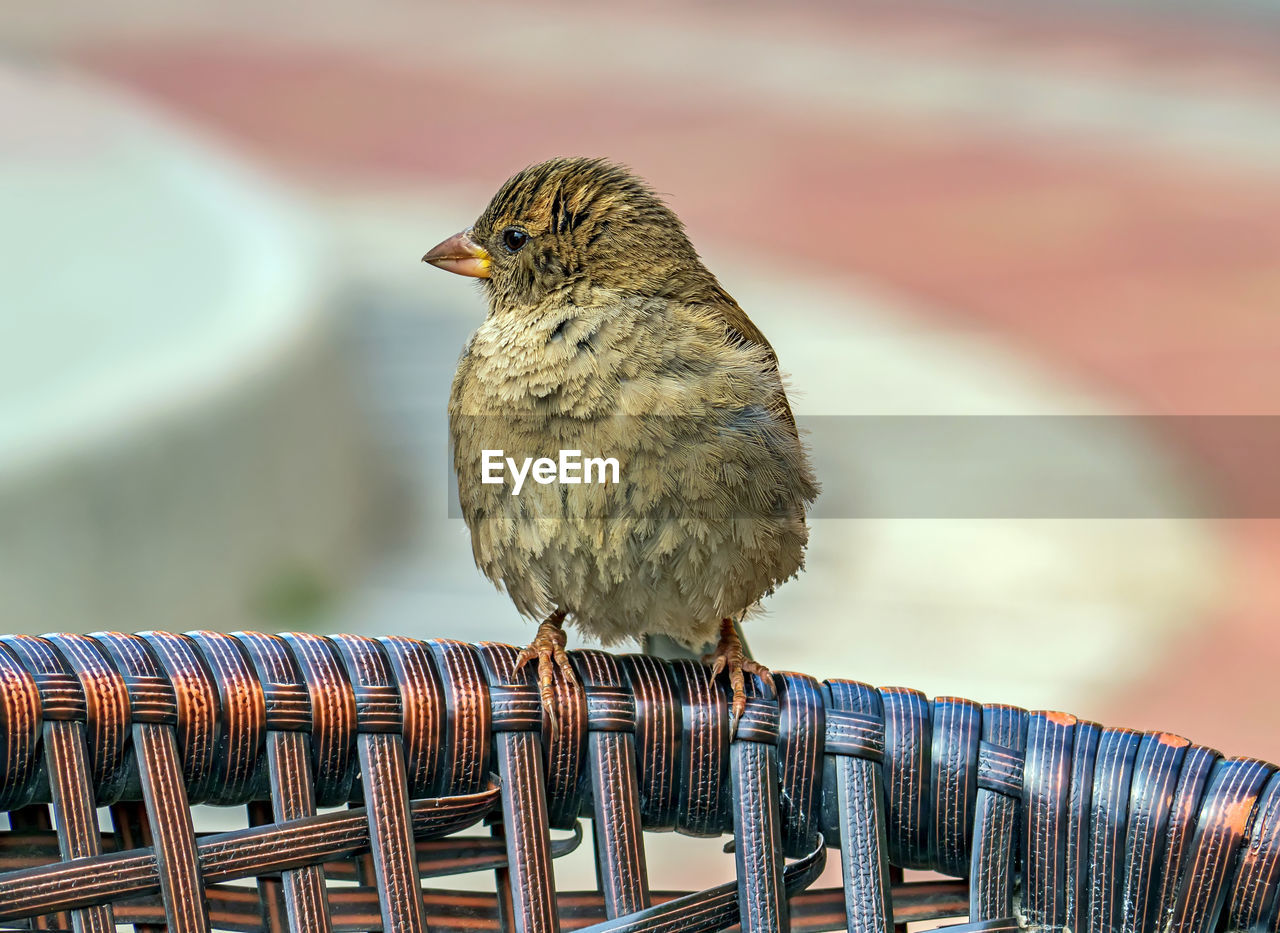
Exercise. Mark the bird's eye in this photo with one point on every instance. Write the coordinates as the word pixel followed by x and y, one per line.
pixel 514 239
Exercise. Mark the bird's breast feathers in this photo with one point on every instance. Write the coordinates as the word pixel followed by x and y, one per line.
pixel 694 415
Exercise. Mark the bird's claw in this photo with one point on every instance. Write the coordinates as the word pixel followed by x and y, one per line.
pixel 548 648
pixel 730 657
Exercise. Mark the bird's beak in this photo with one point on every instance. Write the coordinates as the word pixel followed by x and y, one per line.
pixel 460 254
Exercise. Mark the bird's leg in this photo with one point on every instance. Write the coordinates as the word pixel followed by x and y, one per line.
pixel 548 647
pixel 730 657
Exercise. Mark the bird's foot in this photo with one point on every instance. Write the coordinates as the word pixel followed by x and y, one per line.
pixel 730 657
pixel 548 648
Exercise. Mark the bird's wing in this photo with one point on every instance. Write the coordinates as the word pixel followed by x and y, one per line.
pixel 740 329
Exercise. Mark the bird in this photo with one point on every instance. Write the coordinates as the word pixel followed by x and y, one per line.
pixel 607 337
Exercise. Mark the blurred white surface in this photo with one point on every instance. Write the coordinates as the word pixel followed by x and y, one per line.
pixel 175 440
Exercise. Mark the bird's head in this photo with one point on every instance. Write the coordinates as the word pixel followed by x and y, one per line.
pixel 575 230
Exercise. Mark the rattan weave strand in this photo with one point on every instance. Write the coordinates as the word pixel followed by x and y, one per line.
pixel 372 770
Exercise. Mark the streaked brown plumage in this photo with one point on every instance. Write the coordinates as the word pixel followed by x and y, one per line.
pixel 606 334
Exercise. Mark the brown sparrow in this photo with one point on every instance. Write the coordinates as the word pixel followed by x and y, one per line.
pixel 608 340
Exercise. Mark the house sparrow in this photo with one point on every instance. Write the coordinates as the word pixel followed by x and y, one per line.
pixel 607 337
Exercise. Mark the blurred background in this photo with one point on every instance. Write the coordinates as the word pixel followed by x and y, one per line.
pixel 223 370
